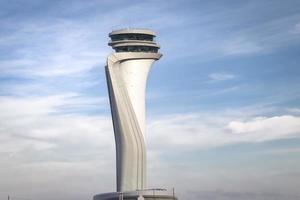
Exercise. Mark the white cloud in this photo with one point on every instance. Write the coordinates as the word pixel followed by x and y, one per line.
pixel 41 146
pixel 44 145
pixel 36 120
pixel 266 128
pixel 206 131
pixel 45 121
pixel 289 124
pixel 240 46
pixel 296 29
pixel 68 48
pixel 221 76
pixel 294 110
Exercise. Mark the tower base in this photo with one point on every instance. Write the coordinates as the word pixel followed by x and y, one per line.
pixel 136 195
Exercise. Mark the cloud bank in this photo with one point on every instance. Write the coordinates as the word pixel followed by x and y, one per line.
pixel 45 145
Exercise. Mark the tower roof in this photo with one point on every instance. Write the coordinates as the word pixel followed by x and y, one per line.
pixel 134 31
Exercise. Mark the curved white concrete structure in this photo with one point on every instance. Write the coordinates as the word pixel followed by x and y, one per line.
pixel 126 72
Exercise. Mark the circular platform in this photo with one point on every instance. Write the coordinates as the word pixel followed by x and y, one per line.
pixel 136 195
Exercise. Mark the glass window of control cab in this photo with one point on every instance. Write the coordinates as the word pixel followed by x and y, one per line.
pixel 132 36
pixel 145 49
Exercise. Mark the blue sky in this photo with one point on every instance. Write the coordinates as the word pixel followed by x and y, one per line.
pixel 223 111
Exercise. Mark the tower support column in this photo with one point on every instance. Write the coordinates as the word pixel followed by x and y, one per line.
pixel 126 75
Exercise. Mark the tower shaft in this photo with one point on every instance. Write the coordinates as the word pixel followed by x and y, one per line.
pixel 126 79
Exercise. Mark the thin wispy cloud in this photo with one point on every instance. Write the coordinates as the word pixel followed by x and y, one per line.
pixel 296 28
pixel 221 76
pixel 65 49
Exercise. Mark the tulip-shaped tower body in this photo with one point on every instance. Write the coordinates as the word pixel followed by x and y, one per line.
pixel 126 72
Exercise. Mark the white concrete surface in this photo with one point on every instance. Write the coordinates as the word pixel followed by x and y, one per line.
pixel 127 74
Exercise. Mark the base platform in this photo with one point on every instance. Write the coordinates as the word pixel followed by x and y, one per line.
pixel 136 195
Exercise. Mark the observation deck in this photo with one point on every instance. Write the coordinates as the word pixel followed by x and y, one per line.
pixel 133 40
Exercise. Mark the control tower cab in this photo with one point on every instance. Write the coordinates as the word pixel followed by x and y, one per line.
pixel 133 40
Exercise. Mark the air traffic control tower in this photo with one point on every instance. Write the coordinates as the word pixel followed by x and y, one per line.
pixel 126 73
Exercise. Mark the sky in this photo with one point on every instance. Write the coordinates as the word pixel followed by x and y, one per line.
pixel 223 103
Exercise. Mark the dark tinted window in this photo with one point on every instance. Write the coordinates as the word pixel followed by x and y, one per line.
pixel 132 37
pixel 137 49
